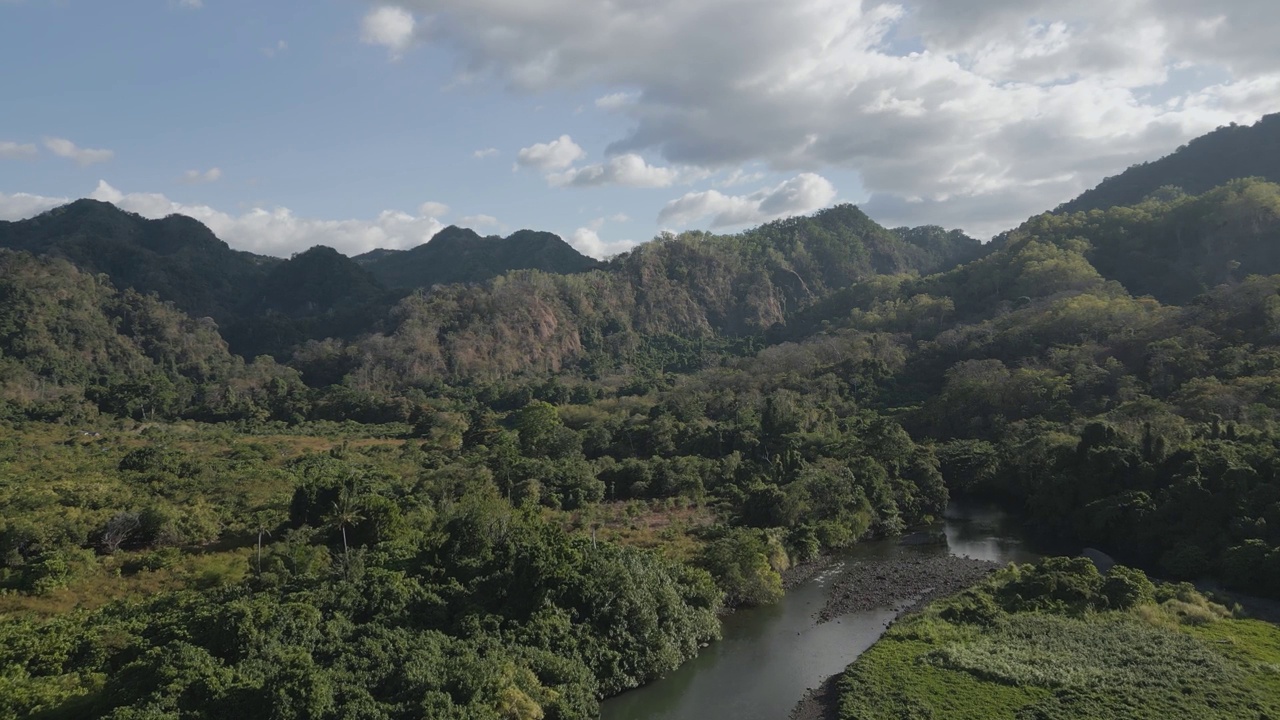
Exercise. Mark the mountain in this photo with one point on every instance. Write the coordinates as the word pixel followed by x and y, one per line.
pixel 1173 248
pixel 457 255
pixel 316 294
pixel 668 303
pixel 177 258
pixel 1228 153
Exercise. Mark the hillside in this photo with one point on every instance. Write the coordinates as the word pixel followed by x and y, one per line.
pixel 459 255
pixel 672 303
pixel 71 345
pixel 1174 248
pixel 1228 153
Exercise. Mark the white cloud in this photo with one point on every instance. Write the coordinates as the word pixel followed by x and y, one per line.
pixel 24 205
pixel 431 208
pixel 587 241
pixel 84 156
pixel 189 4
pixel 13 150
pixel 627 170
pixel 616 101
pixel 196 177
pixel 740 176
pixel 953 109
pixel 389 26
pixel 276 231
pixel 555 155
pixel 481 220
pixel 801 194
pixel 485 153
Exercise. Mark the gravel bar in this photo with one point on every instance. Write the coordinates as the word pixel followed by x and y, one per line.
pixel 904 585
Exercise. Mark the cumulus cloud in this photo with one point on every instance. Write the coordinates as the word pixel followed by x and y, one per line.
pixel 196 177
pixel 64 148
pixel 432 208
pixel 480 220
pixel 944 107
pixel 555 155
pixel 588 242
pixel 24 205
pixel 627 170
pixel 275 231
pixel 801 194
pixel 389 26
pixel 485 153
pixel 12 150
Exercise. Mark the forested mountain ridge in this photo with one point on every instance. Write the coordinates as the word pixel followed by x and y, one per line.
pixel 177 258
pixel 1228 153
pixel 693 289
pixel 316 294
pixel 1174 247
pixel 459 255
pixel 665 304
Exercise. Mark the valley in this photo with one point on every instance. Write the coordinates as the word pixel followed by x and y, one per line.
pixel 498 479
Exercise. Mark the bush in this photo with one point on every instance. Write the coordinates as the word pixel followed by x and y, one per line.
pixel 1125 588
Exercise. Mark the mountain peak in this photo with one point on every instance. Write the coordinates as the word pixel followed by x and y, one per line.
pixel 178 258
pixel 457 254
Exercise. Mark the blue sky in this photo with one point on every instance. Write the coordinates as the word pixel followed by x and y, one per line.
pixel 284 124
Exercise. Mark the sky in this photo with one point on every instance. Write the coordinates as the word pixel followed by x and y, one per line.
pixel 292 123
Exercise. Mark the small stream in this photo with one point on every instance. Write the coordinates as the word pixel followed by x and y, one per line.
pixel 771 656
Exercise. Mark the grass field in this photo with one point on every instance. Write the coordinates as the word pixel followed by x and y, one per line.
pixel 1177 659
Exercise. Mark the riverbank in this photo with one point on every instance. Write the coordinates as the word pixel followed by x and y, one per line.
pixel 903 584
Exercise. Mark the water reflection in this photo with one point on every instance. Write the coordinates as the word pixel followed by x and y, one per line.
pixel 770 656
pixel 984 532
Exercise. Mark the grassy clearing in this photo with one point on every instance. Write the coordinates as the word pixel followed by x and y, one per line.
pixel 664 525
pixel 60 486
pixel 128 575
pixel 1177 659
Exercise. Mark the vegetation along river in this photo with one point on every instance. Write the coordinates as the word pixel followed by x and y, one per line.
pixel 770 656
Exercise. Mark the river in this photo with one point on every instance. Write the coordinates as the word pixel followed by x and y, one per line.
pixel 771 656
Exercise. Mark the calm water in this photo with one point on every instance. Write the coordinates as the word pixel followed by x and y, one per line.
pixel 770 656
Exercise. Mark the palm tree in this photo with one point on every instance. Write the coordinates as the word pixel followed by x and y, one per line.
pixel 264 518
pixel 346 513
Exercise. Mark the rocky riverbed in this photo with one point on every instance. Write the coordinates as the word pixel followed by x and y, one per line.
pixel 905 584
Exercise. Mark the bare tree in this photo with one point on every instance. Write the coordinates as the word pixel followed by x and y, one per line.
pixel 118 529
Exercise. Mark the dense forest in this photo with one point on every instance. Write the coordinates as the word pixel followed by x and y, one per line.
pixel 243 485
